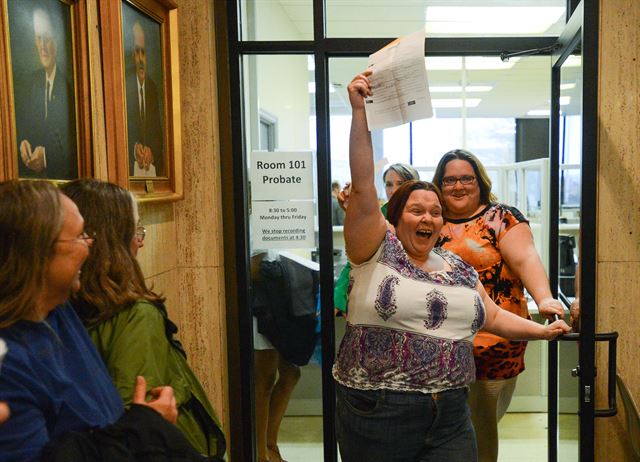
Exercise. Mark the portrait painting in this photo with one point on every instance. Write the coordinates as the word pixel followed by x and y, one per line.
pixel 43 69
pixel 144 93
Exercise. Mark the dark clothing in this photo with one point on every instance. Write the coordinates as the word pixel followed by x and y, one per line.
pixel 146 130
pixel 54 128
pixel 140 435
pixel 391 426
pixel 284 301
pixel 55 382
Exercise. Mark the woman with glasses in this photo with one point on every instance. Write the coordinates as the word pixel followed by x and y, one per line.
pixel 59 392
pixel 127 320
pixel 496 240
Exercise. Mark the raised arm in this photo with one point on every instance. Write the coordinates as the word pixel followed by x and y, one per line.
pixel 508 325
pixel 364 225
pixel 519 252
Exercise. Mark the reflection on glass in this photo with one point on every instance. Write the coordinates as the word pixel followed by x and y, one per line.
pixel 276 19
pixel 483 18
pixel 570 152
pixel 284 275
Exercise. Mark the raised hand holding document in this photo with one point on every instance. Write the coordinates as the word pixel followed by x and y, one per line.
pixel 398 83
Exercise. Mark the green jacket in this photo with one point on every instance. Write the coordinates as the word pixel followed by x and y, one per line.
pixel 139 341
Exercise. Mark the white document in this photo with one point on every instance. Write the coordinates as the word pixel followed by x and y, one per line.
pixel 137 171
pixel 400 92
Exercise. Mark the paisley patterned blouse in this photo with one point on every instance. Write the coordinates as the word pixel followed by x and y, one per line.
pixel 477 241
pixel 409 330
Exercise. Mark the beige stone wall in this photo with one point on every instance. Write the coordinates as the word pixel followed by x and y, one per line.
pixel 183 255
pixel 618 246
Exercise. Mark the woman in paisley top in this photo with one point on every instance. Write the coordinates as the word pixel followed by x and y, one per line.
pixel 495 239
pixel 406 360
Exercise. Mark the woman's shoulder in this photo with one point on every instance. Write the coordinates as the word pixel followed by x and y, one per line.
pixel 143 314
pixel 462 272
pixel 389 243
pixel 504 212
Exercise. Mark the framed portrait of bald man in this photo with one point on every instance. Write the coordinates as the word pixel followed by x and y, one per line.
pixel 43 68
pixel 141 54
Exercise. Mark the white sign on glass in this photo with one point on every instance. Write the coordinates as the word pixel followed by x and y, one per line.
pixel 281 175
pixel 282 224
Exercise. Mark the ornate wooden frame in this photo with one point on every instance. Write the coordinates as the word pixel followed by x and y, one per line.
pixel 163 12
pixel 9 153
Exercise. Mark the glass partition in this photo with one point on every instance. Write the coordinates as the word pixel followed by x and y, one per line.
pixel 477 18
pixel 276 19
pixel 281 162
pixel 570 157
pixel 488 128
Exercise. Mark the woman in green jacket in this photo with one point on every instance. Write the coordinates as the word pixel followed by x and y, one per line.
pixel 127 321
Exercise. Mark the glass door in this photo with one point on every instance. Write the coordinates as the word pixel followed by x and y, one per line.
pixel 572 234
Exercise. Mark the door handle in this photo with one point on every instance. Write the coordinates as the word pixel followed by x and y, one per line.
pixel 612 339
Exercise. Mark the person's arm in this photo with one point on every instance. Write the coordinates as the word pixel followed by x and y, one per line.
pixel 519 253
pixel 364 226
pixel 508 325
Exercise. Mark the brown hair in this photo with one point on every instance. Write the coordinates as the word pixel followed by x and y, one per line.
pixel 484 182
pixel 31 217
pixel 111 279
pixel 401 196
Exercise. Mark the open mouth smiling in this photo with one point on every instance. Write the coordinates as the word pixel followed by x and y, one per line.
pixel 426 233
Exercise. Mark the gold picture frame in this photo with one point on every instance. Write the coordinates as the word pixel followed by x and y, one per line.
pixel 45 94
pixel 142 97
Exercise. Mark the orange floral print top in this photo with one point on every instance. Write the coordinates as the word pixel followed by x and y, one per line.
pixel 477 241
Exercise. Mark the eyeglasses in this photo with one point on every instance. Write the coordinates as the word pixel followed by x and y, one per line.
pixel 452 180
pixel 141 232
pixel 86 236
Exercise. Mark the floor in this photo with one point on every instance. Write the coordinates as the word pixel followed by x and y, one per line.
pixel 523 438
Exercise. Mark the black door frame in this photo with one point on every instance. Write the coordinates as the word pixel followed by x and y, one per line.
pixel 230 49
pixel 581 32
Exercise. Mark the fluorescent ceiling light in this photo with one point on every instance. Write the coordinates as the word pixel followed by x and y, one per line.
pixel 539 112
pixel 472 63
pixel 567 86
pixel 565 100
pixel 458 89
pixel 455 103
pixel 311 63
pixel 518 20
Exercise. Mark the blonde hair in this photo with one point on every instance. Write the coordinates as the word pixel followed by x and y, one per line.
pixel 31 218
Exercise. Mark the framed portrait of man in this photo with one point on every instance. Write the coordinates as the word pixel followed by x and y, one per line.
pixel 43 66
pixel 140 52
pixel 144 93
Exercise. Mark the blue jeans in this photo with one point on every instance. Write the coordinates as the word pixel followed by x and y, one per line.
pixel 391 426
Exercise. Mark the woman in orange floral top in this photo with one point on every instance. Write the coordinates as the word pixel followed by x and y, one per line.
pixel 497 241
